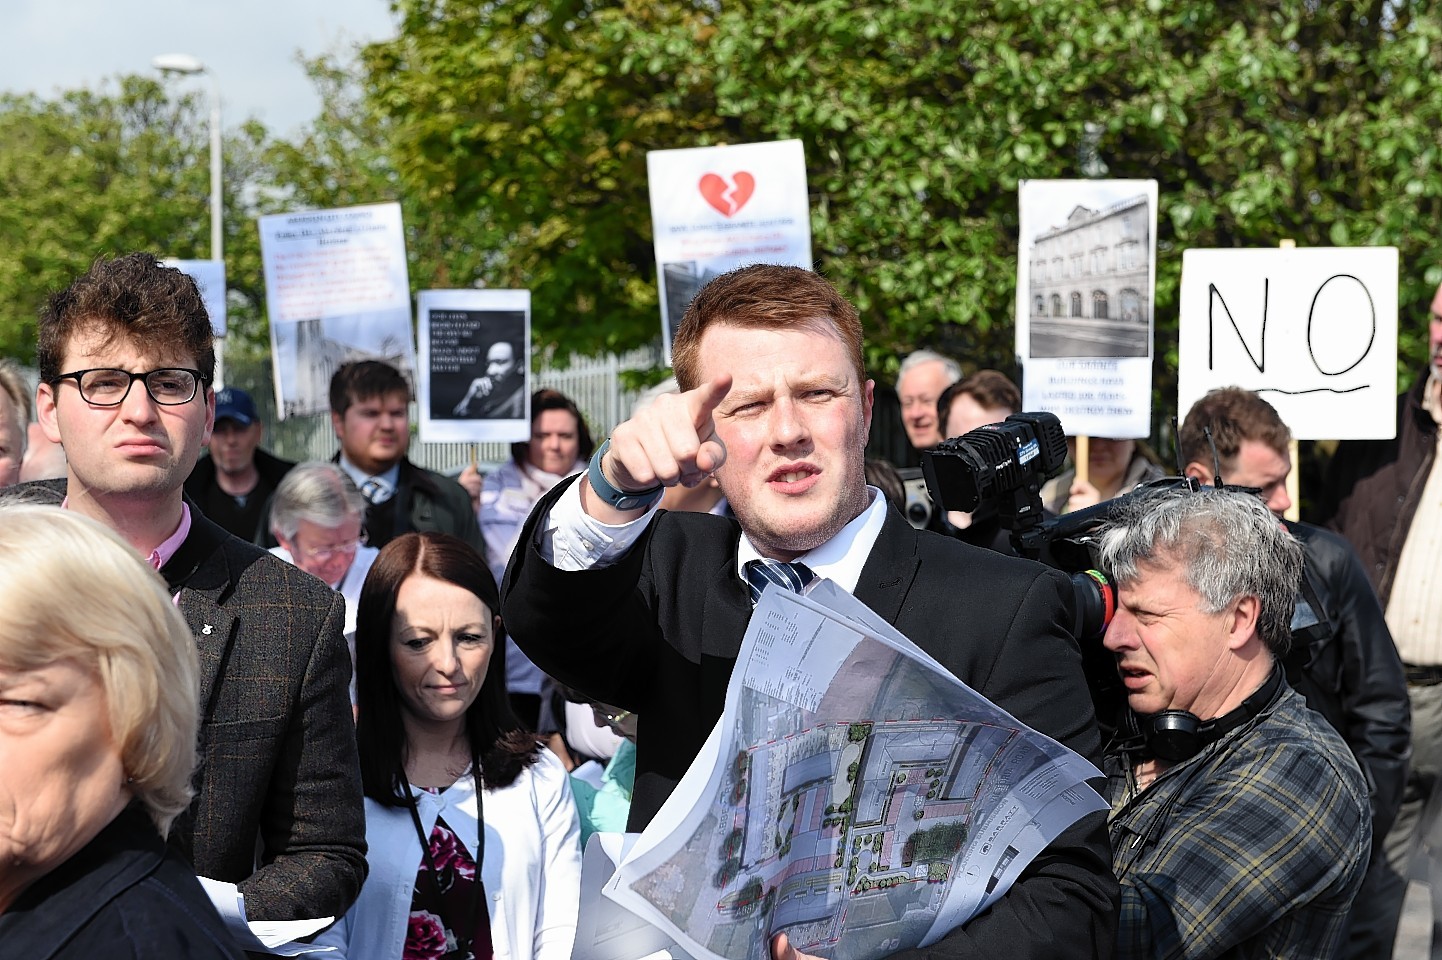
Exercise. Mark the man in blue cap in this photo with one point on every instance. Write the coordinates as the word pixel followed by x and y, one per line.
pixel 233 485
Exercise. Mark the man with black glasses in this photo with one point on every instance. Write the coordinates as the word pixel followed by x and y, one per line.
pixel 126 362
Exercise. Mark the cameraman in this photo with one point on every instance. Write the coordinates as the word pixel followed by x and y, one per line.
pixel 1345 665
pixel 1239 819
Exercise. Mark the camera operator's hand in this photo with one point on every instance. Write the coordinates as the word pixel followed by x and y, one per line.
pixel 673 441
pixel 1082 495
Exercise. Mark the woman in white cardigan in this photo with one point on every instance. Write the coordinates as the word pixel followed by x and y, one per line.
pixel 433 724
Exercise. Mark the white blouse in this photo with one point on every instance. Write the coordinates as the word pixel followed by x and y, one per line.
pixel 532 867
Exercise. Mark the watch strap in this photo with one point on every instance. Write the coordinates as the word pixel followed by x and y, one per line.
pixel 617 498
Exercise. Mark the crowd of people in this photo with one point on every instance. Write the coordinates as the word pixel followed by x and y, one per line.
pixel 364 690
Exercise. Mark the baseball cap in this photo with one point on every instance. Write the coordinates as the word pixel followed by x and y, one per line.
pixel 235 404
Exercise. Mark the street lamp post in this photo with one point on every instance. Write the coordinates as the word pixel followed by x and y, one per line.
pixel 184 63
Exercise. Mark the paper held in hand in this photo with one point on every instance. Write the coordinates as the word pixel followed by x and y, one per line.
pixel 854 794
pixel 278 937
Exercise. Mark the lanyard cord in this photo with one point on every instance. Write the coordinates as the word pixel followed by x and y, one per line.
pixel 430 861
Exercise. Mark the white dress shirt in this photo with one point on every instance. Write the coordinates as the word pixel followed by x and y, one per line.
pixel 570 539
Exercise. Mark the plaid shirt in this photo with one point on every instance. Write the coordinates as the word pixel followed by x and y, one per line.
pixel 1255 847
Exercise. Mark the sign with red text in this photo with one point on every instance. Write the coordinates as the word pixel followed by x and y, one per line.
pixel 337 290
pixel 1313 330
pixel 717 208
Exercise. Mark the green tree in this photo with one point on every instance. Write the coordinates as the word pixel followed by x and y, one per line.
pixel 528 123
pixel 99 173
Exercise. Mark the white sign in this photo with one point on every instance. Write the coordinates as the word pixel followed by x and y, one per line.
pixel 209 276
pixel 337 290
pixel 1086 272
pixel 1313 330
pixel 717 208
pixel 474 382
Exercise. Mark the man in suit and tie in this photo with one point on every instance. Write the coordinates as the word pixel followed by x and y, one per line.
pixel 369 409
pixel 647 609
pixel 126 363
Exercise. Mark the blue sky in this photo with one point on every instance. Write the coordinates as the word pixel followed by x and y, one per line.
pixel 252 47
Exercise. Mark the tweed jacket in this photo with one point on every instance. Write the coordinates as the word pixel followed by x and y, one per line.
pixel 659 631
pixel 278 807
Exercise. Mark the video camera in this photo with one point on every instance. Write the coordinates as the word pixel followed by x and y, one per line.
pixel 999 470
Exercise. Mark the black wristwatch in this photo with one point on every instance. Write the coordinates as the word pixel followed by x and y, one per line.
pixel 620 499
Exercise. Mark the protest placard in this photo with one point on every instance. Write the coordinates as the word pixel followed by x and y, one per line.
pixel 337 290
pixel 209 276
pixel 1313 330
pixel 717 208
pixel 475 362
pixel 1086 271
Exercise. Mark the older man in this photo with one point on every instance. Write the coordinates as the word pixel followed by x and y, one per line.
pixel 1240 823
pixel 126 361
pixel 1342 658
pixel 647 609
pixel 924 375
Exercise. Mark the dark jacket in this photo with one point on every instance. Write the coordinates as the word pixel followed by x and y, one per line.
pixel 1373 488
pixel 1348 670
pixel 122 896
pixel 424 501
pixel 659 631
pixel 272 470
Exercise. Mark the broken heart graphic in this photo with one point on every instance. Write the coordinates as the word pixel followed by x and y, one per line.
pixel 728 198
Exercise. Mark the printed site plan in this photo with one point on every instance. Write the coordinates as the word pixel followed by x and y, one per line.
pixel 853 794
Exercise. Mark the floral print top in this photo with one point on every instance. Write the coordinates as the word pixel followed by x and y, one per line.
pixel 440 924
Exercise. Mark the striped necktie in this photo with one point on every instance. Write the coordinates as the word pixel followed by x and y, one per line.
pixel 787 576
pixel 376 490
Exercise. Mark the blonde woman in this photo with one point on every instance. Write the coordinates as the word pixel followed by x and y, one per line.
pixel 98 720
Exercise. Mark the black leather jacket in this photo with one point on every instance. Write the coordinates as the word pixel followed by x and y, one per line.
pixel 1345 664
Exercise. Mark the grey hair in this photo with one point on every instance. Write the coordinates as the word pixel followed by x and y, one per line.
pixel 917 357
pixel 317 491
pixel 1226 544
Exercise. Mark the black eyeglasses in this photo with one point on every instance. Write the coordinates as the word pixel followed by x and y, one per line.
pixel 108 387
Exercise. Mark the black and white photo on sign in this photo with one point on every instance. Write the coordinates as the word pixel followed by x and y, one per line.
pixel 475 352
pixel 307 354
pixel 1086 273
pixel 1087 254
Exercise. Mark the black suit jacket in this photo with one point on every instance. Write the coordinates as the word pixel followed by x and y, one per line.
pixel 278 808
pixel 658 633
pixel 122 895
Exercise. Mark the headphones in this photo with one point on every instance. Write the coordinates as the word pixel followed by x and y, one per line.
pixel 1177 735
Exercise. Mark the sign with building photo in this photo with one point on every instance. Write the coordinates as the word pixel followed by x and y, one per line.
pixel 1311 329
pixel 475 363
pixel 717 208
pixel 1086 271
pixel 337 289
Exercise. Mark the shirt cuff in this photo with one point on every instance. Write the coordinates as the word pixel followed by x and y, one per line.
pixel 570 539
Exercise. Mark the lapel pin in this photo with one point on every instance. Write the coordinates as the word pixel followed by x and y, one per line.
pixel 207 629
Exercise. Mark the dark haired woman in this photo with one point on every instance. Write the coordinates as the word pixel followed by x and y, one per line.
pixel 451 780
pixel 559 446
